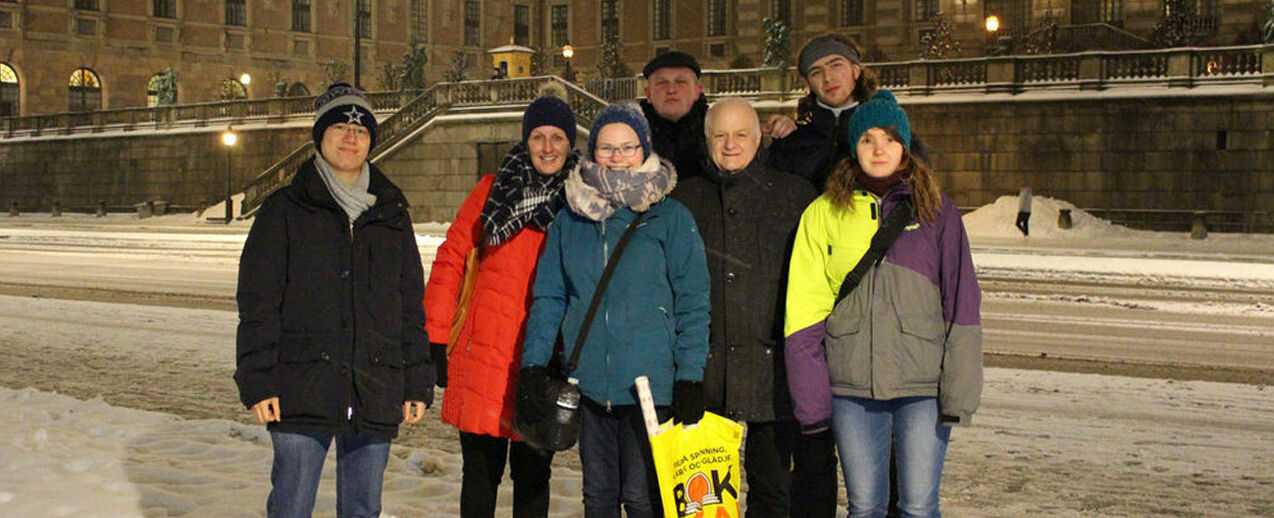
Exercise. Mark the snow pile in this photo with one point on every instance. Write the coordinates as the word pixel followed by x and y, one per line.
pixel 998 220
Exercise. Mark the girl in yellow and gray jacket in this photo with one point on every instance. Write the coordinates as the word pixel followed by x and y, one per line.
pixel 898 360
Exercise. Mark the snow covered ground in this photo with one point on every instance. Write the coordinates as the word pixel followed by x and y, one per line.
pixel 1043 444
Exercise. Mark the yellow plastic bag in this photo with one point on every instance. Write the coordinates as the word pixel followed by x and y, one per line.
pixel 698 468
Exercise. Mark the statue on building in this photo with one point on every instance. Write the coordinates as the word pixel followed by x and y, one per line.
pixel 166 88
pixel 411 75
pixel 1269 22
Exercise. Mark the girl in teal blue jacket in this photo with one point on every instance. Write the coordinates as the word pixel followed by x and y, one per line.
pixel 652 320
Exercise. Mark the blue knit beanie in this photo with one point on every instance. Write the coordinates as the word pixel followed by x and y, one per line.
pixel 623 114
pixel 881 111
pixel 342 103
pixel 549 111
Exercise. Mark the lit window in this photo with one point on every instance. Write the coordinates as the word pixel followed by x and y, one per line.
pixel 232 89
pixel 84 91
pixel 8 91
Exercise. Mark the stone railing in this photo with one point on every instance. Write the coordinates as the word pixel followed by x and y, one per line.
pixel 614 89
pixel 1179 67
pixel 1097 70
pixel 434 101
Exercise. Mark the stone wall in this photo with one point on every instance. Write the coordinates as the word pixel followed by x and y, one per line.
pixel 1101 153
pixel 438 167
pixel 1178 153
pixel 184 168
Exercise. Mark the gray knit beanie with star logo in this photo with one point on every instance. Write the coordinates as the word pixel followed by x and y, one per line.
pixel 342 103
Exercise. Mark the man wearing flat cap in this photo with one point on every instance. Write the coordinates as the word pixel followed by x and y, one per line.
pixel 675 107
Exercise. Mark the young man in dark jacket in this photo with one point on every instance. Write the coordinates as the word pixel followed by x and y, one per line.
pixel 331 341
pixel 838 82
pixel 747 214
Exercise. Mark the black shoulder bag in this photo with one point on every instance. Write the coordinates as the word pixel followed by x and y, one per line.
pixel 884 238
pixel 561 428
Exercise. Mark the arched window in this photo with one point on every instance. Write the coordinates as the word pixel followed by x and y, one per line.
pixel 8 91
pixel 298 90
pixel 84 91
pixel 231 90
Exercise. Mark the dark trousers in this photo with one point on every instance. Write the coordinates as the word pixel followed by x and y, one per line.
pixel 767 455
pixel 1024 223
pixel 614 455
pixel 484 458
pixel 814 477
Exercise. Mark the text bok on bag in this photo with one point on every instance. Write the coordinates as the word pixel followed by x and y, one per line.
pixel 697 466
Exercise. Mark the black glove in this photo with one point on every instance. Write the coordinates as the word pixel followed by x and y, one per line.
pixel 687 401
pixel 438 353
pixel 533 404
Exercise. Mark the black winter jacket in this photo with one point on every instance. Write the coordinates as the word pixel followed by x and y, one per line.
pixel 819 142
pixel 747 220
pixel 683 142
pixel 331 318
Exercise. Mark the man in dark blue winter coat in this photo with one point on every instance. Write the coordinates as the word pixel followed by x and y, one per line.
pixel 747 214
pixel 331 341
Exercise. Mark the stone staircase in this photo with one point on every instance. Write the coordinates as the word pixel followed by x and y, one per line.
pixel 439 99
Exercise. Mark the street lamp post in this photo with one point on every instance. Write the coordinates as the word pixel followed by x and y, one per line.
pixel 992 26
pixel 567 52
pixel 358 47
pixel 997 44
pixel 228 139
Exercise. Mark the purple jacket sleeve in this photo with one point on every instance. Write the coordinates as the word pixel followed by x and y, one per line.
pixel 960 385
pixel 807 378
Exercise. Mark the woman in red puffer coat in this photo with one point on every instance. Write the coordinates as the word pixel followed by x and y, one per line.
pixel 505 217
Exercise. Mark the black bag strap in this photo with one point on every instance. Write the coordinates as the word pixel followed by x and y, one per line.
pixel 889 231
pixel 601 290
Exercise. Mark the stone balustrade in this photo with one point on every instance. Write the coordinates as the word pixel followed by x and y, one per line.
pixel 1186 67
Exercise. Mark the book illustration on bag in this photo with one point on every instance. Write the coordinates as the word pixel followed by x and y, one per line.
pixel 697 466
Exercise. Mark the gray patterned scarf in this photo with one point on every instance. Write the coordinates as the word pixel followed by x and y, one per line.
pixel 595 192
pixel 354 199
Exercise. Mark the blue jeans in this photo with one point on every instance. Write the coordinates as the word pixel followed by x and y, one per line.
pixel 614 455
pixel 865 429
pixel 298 465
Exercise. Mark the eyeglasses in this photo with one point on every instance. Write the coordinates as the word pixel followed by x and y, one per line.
pixel 608 151
pixel 351 129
